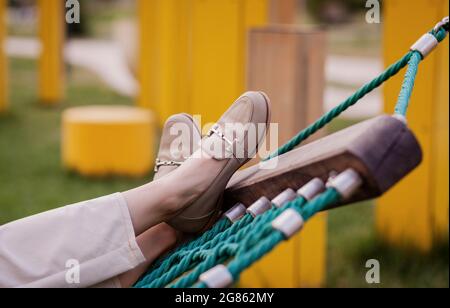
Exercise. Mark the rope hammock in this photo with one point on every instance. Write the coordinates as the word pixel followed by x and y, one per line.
pixel 217 258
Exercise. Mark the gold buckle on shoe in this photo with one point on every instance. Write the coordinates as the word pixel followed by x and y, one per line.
pixel 216 130
pixel 164 163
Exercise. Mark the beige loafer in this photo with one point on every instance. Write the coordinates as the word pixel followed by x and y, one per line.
pixel 180 139
pixel 232 142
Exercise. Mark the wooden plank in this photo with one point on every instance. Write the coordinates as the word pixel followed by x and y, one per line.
pixel 3 60
pixel 283 11
pixel 287 63
pixel 382 150
pixel 423 196
pixel 51 62
pixel 192 54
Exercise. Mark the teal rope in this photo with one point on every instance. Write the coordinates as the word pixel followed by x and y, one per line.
pixel 352 100
pixel 163 264
pixel 411 74
pixel 408 84
pixel 265 240
pixel 244 227
pixel 266 245
pixel 441 34
pixel 235 234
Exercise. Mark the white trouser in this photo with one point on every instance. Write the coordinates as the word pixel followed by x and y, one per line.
pixel 82 245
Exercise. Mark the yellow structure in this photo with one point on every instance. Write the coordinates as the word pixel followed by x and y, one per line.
pixel 3 61
pixel 108 140
pixel 51 64
pixel 415 213
pixel 192 54
pixel 192 59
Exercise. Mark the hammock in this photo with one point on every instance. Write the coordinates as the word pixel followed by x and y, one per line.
pixel 217 258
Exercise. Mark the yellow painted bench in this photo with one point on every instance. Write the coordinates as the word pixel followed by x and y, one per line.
pixel 108 140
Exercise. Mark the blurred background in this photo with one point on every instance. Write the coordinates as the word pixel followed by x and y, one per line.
pixel 197 56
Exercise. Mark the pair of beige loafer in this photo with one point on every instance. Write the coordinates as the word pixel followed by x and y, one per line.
pixel 232 142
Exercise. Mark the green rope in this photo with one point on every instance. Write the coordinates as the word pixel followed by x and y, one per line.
pixel 410 77
pixel 236 234
pixel 266 244
pixel 352 100
pixel 408 84
pixel 243 243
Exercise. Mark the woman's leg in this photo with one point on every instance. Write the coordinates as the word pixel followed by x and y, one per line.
pixel 87 243
pixel 153 243
pixel 159 200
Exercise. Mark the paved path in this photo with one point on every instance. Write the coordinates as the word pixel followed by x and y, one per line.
pixel 105 58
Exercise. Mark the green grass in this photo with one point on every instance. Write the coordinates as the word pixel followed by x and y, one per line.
pixel 32 180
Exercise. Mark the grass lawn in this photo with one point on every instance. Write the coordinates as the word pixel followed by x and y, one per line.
pixel 31 176
pixel 32 180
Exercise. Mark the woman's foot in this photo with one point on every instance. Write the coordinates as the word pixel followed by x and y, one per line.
pixel 200 182
pixel 180 139
pixel 189 198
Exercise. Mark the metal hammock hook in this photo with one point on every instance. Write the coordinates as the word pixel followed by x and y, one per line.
pixel 443 24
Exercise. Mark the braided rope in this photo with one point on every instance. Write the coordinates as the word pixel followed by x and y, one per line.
pixel 410 76
pixel 235 243
pixel 334 113
pixel 408 84
pixel 361 93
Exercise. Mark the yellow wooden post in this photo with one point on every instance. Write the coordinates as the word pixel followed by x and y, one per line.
pixel 192 54
pixel 219 37
pixel 51 63
pixel 159 52
pixel 415 213
pixel 288 64
pixel 3 61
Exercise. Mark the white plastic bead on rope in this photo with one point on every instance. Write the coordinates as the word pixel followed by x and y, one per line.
pixel 312 189
pixel 425 45
pixel 286 196
pixel 236 213
pixel 261 206
pixel 218 277
pixel 346 183
pixel 290 222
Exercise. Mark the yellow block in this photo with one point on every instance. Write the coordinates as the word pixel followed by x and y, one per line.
pixel 51 64
pixel 3 60
pixel 192 54
pixel 108 140
pixel 416 211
